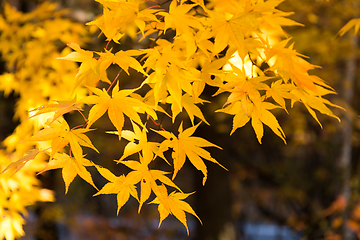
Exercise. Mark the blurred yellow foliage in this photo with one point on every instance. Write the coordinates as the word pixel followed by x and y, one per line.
pixel 30 44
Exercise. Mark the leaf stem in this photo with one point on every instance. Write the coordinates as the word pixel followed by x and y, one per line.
pixel 107 90
pixel 78 126
pixel 83 116
pixel 154 6
pixel 157 124
pixel 107 45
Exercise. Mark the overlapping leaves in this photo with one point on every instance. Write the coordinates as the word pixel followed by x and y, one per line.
pixel 206 40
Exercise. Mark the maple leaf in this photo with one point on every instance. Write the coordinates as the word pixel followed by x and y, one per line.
pixel 89 72
pixel 189 146
pixel 110 24
pixel 269 16
pixel 188 103
pixel 278 91
pixel 144 16
pixel 124 186
pixel 231 26
pixel 60 108
pixel 71 167
pixel 147 178
pixel 117 105
pixel 289 64
pixel 311 101
pixel 211 69
pixel 17 165
pixel 149 99
pixel 123 59
pixel 138 142
pixel 61 135
pixel 353 23
pixel 241 86
pixel 117 186
pixel 179 19
pixel 171 72
pixel 119 17
pixel 231 31
pixel 259 114
pixel 173 204
pixel 174 81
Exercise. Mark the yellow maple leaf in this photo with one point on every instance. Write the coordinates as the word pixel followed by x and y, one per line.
pixel 240 86
pixel 120 17
pixel 89 72
pixel 117 186
pixel 271 17
pixel 173 204
pixel 117 105
pixel 188 103
pixel 189 146
pixel 138 142
pixel 231 29
pixel 312 101
pixel 17 165
pixel 170 71
pixel 71 167
pixel 290 64
pixel 179 19
pixel 353 23
pixel 279 91
pixel 61 135
pixel 174 81
pixel 124 186
pixel 110 24
pixel 261 115
pixel 123 59
pixel 147 178
pixel 60 108
pixel 258 112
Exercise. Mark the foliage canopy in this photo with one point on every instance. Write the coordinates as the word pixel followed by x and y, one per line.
pixel 238 47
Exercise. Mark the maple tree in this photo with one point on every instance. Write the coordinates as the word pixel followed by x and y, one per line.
pixel 223 44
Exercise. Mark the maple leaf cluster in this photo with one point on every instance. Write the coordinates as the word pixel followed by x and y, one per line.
pixel 223 44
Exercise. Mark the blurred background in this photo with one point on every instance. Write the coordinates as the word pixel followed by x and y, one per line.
pixel 307 189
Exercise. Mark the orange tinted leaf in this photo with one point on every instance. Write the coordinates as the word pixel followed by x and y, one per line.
pixel 258 113
pixel 60 108
pixel 312 101
pixel 30 155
